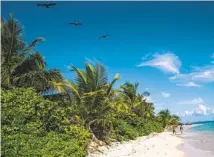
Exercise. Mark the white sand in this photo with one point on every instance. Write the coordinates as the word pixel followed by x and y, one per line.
pixel 161 145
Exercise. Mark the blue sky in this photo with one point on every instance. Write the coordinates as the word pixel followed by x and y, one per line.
pixel 168 47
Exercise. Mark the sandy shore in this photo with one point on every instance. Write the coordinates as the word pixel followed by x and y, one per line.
pixel 159 145
pixel 198 144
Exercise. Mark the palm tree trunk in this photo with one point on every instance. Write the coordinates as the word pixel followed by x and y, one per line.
pixel 94 138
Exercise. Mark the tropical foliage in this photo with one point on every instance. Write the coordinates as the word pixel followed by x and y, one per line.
pixel 167 119
pixel 33 126
pixel 20 65
pixel 87 108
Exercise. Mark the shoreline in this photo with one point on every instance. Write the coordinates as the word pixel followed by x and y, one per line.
pixel 188 144
pixel 197 144
pixel 160 145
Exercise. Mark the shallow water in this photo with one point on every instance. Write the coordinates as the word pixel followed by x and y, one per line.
pixel 198 140
pixel 204 126
pixel 198 144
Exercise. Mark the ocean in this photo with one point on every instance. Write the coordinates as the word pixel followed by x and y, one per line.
pixel 206 126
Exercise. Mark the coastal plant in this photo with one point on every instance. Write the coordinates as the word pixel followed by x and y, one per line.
pixel 33 126
pixel 20 65
pixel 167 119
pixel 92 93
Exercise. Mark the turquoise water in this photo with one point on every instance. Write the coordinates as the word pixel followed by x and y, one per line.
pixel 203 126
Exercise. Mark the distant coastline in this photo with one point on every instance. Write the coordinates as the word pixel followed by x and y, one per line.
pixel 199 122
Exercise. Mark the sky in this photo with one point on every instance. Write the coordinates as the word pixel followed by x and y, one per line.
pixel 168 47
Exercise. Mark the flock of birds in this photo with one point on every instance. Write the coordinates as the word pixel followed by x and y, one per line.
pixel 50 4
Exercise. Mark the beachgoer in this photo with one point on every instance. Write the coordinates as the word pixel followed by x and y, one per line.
pixel 181 129
pixel 173 130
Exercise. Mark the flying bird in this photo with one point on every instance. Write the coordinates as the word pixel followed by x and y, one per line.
pixel 75 23
pixel 47 5
pixel 104 36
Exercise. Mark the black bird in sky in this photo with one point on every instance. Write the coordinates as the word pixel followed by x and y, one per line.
pixel 104 36
pixel 47 5
pixel 75 23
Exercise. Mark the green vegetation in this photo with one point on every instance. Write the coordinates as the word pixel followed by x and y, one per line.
pixel 83 110
pixel 33 126
pixel 20 66
pixel 167 119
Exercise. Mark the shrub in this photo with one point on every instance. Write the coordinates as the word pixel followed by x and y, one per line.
pixel 151 126
pixel 25 111
pixel 33 126
pixel 79 133
pixel 20 144
pixel 123 130
pixel 51 145
pixel 73 144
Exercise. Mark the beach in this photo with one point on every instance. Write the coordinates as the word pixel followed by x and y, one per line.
pixel 155 145
pixel 188 144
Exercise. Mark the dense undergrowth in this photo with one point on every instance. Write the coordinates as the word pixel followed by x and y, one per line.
pixel 34 126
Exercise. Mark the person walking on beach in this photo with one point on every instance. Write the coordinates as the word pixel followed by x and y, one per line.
pixel 181 129
pixel 173 130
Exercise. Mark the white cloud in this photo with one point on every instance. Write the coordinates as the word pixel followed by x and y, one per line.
pixel 192 102
pixel 188 113
pixel 200 74
pixel 189 84
pixel 201 110
pixel 165 95
pixel 168 62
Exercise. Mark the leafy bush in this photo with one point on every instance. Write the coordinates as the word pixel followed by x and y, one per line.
pixel 73 144
pixel 51 145
pixel 151 126
pixel 79 133
pixel 20 144
pixel 25 111
pixel 129 126
pixel 33 126
pixel 124 131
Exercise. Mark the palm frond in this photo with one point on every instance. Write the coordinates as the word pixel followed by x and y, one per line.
pixel 90 76
pixel 116 77
pixel 80 74
pixel 31 46
pixel 40 80
pixel 100 75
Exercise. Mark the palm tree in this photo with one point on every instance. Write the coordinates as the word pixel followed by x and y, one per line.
pixel 149 110
pixel 174 120
pixel 164 116
pixel 32 73
pixel 91 81
pixel 142 108
pixel 176 117
pixel 168 119
pixel 20 65
pixel 129 91
pixel 136 101
pixel 93 78
pixel 92 92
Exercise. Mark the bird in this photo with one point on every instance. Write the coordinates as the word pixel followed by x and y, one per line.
pixel 104 36
pixel 75 23
pixel 47 5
